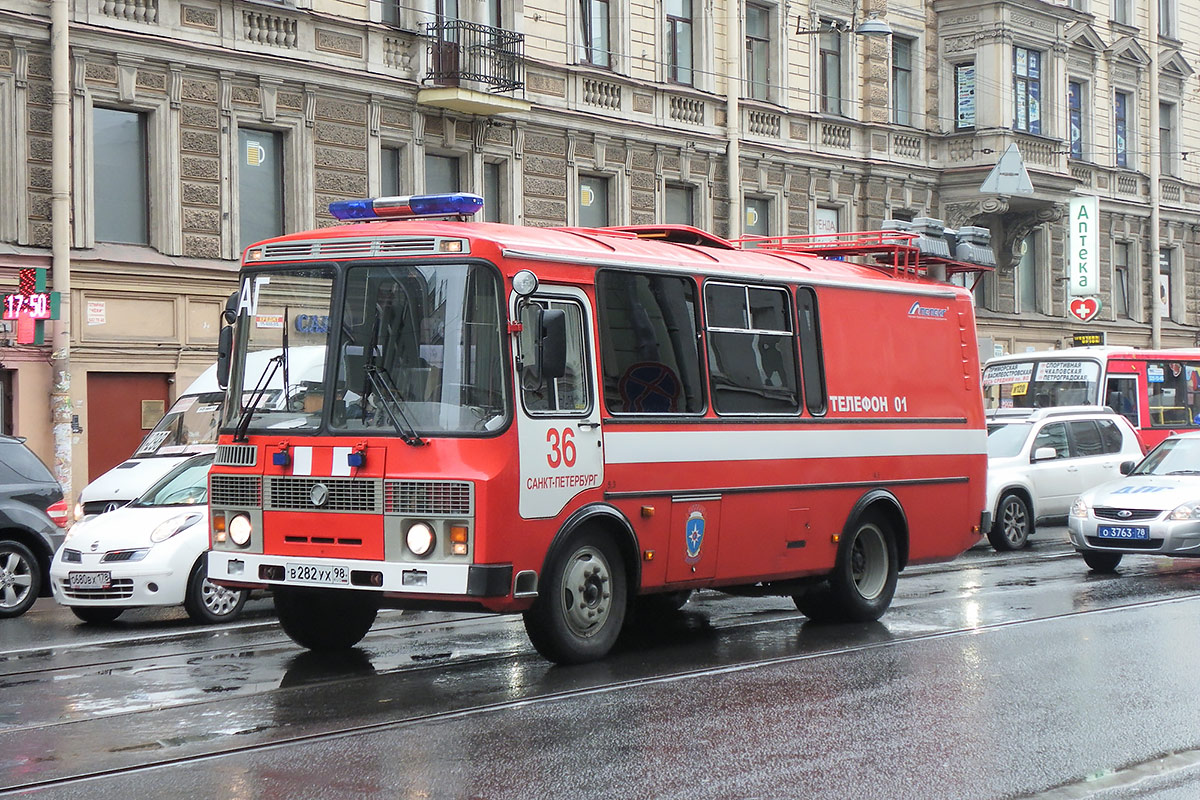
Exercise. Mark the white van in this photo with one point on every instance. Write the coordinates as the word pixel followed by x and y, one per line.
pixel 187 429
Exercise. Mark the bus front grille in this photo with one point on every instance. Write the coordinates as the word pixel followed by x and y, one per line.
pixel 429 498
pixel 235 491
pixel 339 494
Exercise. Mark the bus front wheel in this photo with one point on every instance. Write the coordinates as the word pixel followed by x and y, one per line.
pixel 580 610
pixel 325 619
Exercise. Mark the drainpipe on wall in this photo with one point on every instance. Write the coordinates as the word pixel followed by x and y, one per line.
pixel 733 113
pixel 60 248
pixel 1155 174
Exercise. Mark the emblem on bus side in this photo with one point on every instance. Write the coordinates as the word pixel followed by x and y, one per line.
pixel 694 535
pixel 319 494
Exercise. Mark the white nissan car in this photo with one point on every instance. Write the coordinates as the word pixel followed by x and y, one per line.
pixel 1039 460
pixel 1154 510
pixel 151 552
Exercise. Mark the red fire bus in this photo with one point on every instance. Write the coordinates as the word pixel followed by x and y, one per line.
pixel 1158 391
pixel 586 425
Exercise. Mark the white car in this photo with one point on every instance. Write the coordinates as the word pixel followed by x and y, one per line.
pixel 1155 510
pixel 1040 460
pixel 151 552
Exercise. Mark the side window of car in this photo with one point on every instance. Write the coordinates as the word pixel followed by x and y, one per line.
pixel 1110 434
pixel 1053 435
pixel 1087 438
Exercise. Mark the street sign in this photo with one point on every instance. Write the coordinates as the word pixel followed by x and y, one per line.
pixel 1084 309
pixel 1083 247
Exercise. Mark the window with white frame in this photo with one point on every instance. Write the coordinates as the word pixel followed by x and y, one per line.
pixel 390 184
pixel 593 201
pixel 1122 252
pixel 120 171
pixel 758 216
pixel 1026 276
pixel 443 174
pixel 758 51
pixel 1166 268
pixel 902 79
pixel 831 67
pixel 680 204
pixel 1167 139
pixel 1122 107
pixel 964 96
pixel 1122 12
pixel 679 41
pixel 1168 18
pixel 595 35
pixel 1027 90
pixel 493 191
pixel 1076 117
pixel 260 185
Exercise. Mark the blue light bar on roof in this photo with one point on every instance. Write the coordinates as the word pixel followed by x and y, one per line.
pixel 418 205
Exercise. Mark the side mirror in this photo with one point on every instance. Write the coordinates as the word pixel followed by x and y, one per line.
pixel 1045 454
pixel 229 315
pixel 1127 467
pixel 224 354
pixel 552 343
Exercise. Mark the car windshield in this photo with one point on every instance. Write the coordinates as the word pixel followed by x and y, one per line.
pixel 1006 440
pixel 1174 456
pixel 186 485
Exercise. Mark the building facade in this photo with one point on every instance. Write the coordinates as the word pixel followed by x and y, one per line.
pixel 199 126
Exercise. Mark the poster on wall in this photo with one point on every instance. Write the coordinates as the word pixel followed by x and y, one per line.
pixel 1083 247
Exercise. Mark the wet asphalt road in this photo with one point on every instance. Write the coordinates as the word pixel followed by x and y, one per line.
pixel 1015 675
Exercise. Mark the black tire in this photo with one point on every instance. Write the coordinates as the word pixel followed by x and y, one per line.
pixel 581 603
pixel 1101 562
pixel 208 603
pixel 97 615
pixel 325 619
pixel 1013 524
pixel 863 580
pixel 20 578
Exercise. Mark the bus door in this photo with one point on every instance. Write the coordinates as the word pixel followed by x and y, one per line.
pixel 1121 395
pixel 558 419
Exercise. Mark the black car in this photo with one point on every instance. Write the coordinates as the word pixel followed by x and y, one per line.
pixel 33 515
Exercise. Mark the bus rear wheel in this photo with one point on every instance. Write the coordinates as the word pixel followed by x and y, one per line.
pixel 325 619
pixel 863 580
pixel 580 609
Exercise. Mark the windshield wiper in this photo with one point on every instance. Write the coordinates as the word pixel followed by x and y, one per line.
pixel 260 389
pixel 392 404
pixel 1184 472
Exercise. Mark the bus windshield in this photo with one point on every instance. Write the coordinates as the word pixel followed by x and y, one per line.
pixel 1042 383
pixel 421 350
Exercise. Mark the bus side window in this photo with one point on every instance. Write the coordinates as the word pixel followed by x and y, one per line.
pixel 568 394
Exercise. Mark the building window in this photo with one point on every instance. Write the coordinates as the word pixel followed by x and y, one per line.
pixel 758 51
pixel 594 44
pixel 1079 5
pixel 1121 107
pixel 680 209
pixel 1166 263
pixel 1027 276
pixel 493 177
pixel 964 96
pixel 1166 19
pixel 1122 13
pixel 260 185
pixel 1120 287
pixel 442 174
pixel 902 85
pixel 679 40
pixel 758 216
pixel 593 201
pixel 120 176
pixel 1075 117
pixel 1027 89
pixel 389 172
pixel 831 68
pixel 1166 138
pixel 390 12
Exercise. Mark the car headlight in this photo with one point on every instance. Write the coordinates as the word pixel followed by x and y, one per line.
pixel 419 539
pixel 1185 511
pixel 78 511
pixel 174 525
pixel 1080 507
pixel 240 529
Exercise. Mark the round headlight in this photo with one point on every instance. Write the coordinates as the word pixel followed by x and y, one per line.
pixel 420 539
pixel 525 283
pixel 239 530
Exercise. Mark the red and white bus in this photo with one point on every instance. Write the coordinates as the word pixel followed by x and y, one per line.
pixel 584 425
pixel 1156 390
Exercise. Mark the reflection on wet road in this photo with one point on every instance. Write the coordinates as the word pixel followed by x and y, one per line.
pixel 994 676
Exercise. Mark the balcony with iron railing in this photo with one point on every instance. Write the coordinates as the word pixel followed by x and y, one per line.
pixel 473 68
